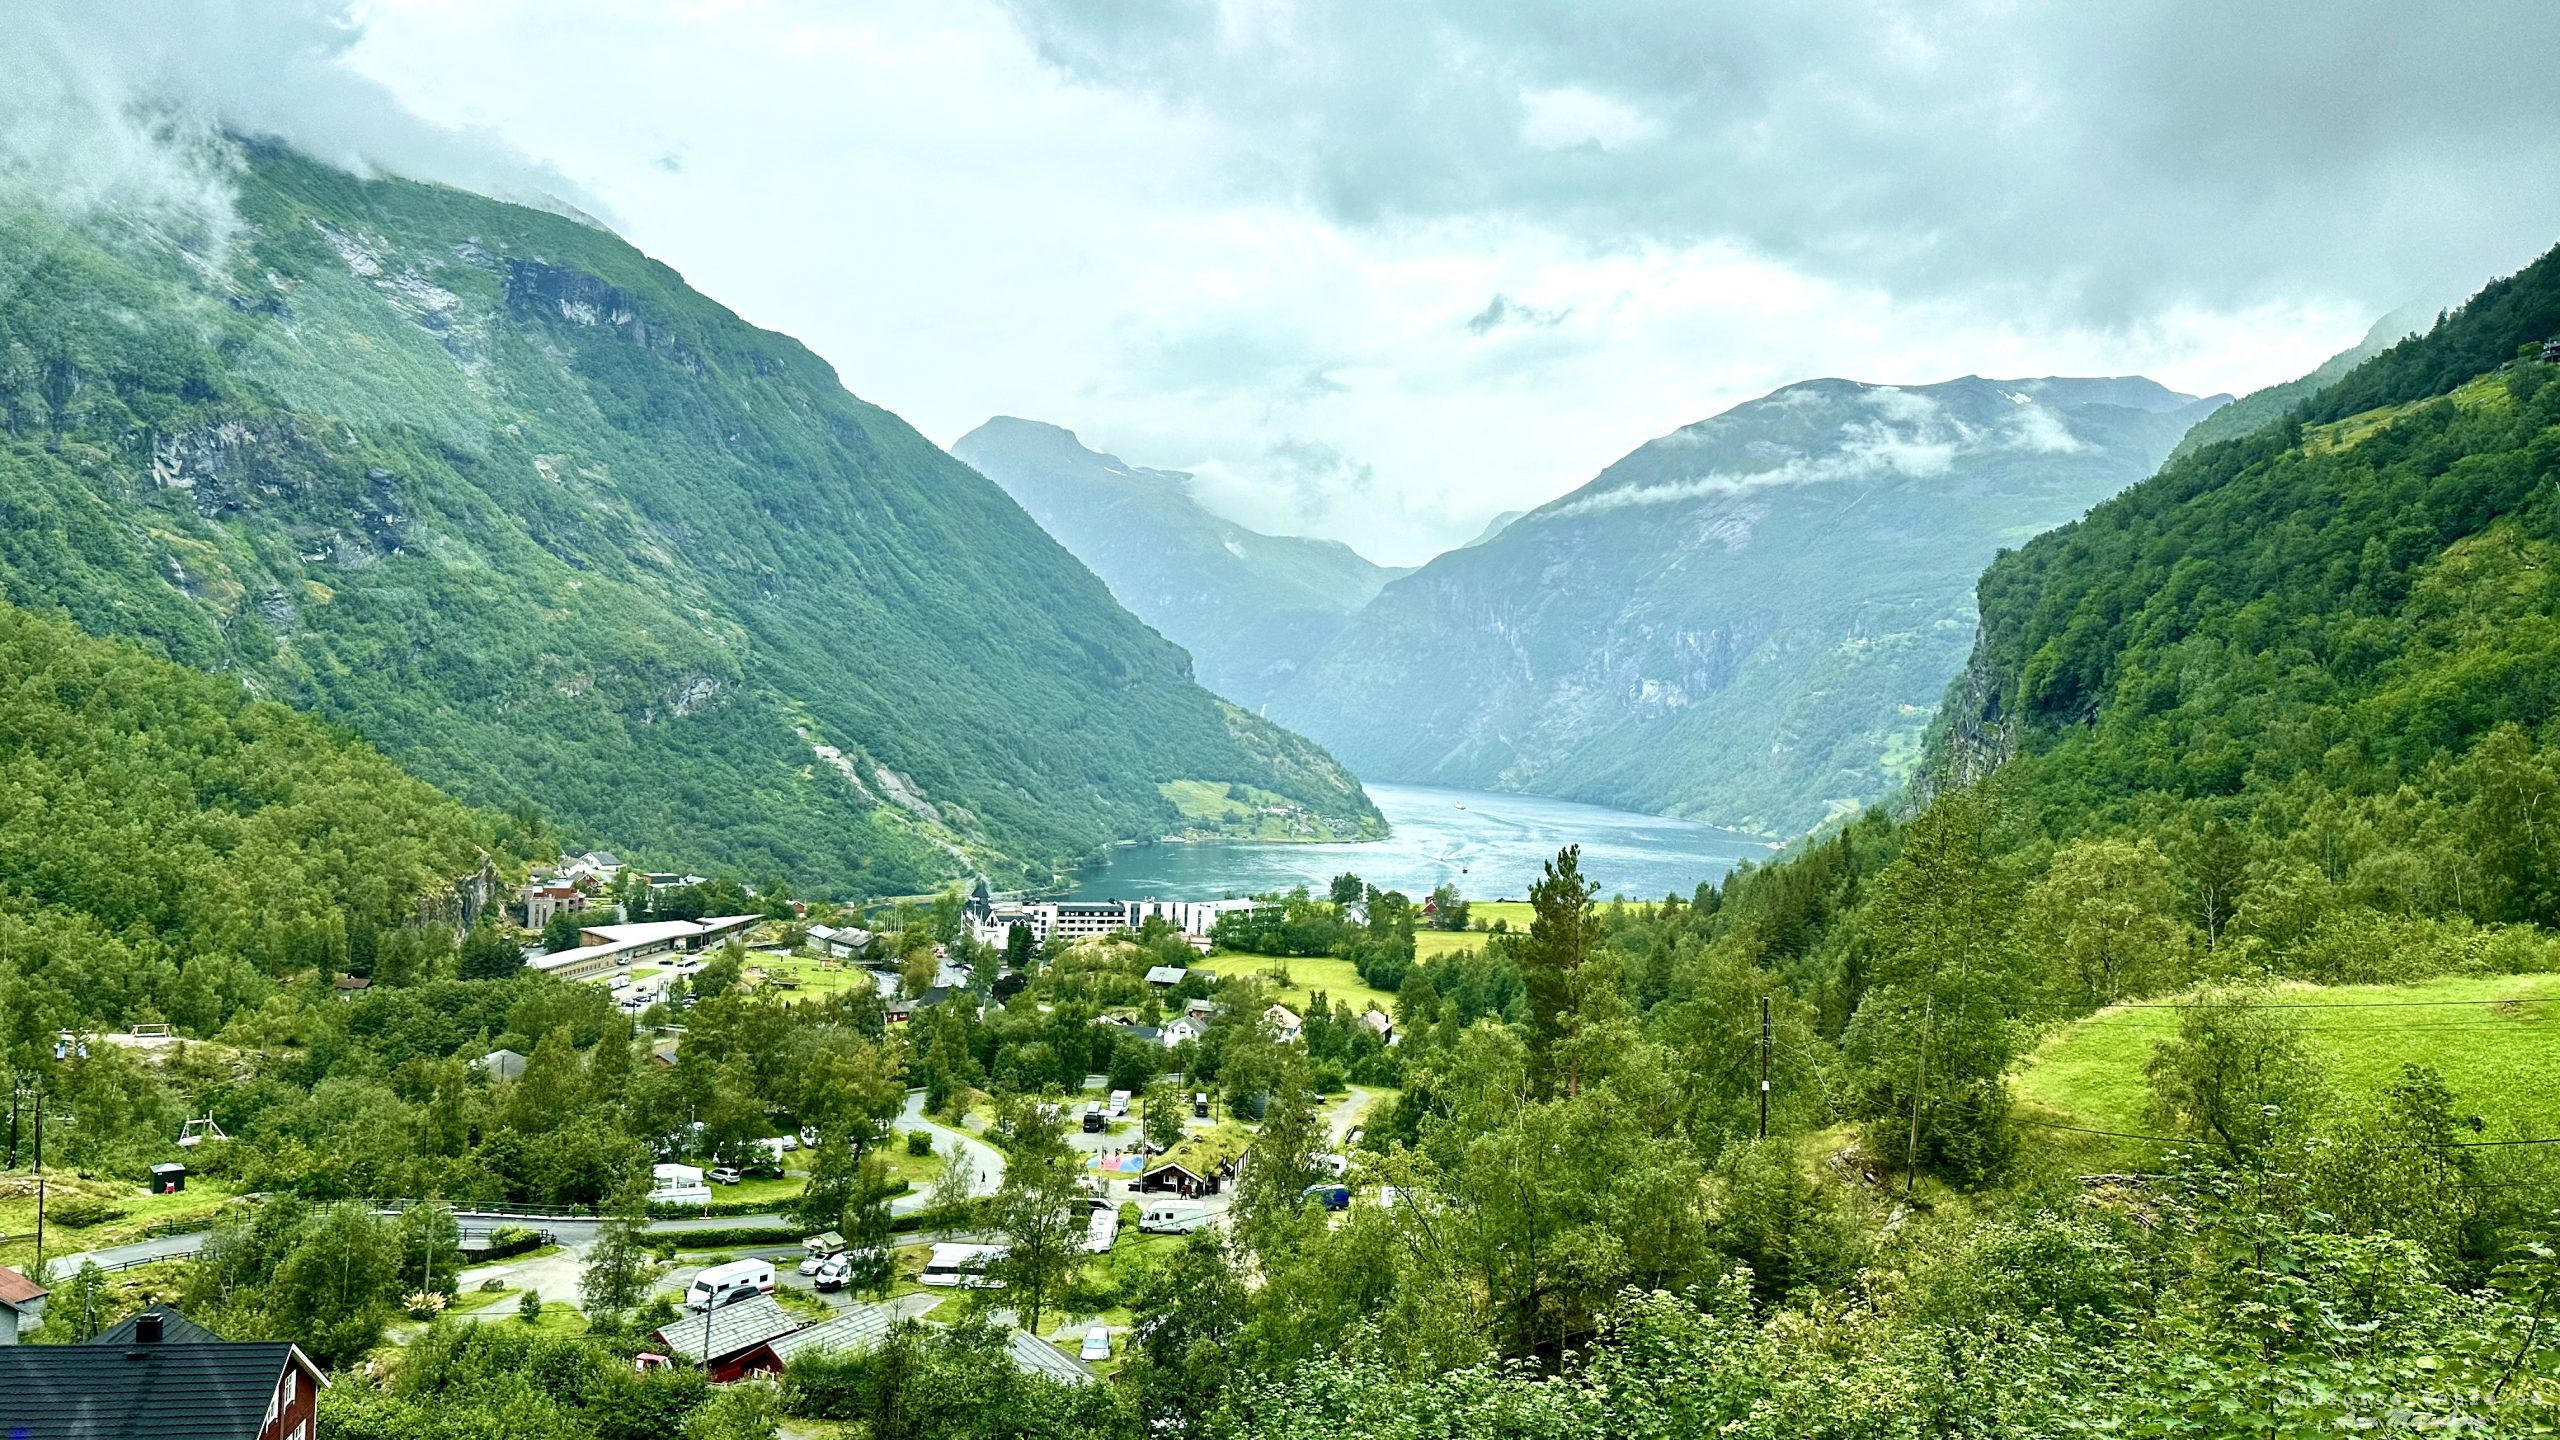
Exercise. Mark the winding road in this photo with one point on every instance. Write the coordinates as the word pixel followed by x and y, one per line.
pixel 556 1274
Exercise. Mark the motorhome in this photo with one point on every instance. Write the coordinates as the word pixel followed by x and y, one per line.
pixel 727 1284
pixel 1093 1117
pixel 962 1265
pixel 1199 1104
pixel 1173 1217
pixel 1119 1104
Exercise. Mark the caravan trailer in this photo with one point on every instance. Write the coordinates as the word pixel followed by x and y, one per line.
pixel 727 1284
pixel 962 1265
pixel 1174 1217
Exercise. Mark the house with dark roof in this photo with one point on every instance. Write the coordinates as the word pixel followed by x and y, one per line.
pixel 21 1306
pixel 858 1330
pixel 722 1341
pixel 151 1379
pixel 901 1010
pixel 175 1329
pixel 1034 1356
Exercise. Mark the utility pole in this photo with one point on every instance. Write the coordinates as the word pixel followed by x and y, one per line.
pixel 1919 1082
pixel 39 1182
pixel 1764 1067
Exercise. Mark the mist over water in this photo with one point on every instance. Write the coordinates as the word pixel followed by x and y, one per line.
pixel 1489 845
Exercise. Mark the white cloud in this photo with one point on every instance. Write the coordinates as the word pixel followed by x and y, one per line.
pixel 1569 116
pixel 128 102
pixel 1248 238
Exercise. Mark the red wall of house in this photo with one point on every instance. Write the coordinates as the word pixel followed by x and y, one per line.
pixel 304 1411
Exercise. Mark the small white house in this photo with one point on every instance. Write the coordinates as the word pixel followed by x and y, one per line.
pixel 1283 1022
pixel 1186 1028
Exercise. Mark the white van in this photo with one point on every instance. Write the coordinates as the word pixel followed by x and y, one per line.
pixel 963 1265
pixel 1173 1217
pixel 728 1284
pixel 1119 1104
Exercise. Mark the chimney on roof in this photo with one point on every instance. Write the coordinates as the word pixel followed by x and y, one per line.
pixel 146 1328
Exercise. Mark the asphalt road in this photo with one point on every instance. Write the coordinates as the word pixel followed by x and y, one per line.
pixel 556 1275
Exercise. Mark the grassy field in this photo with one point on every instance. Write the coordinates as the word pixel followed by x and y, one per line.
pixel 140 1212
pixel 2498 1051
pixel 805 978
pixel 482 1298
pixel 1334 976
pixel 772 1193
pixel 1432 944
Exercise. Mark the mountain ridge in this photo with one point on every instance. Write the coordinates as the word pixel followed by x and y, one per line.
pixel 1249 607
pixel 507 497
pixel 1747 621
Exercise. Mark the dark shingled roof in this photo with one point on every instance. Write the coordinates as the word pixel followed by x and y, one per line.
pixel 140 1392
pixel 861 1328
pixel 1034 1356
pixel 736 1327
pixel 175 1329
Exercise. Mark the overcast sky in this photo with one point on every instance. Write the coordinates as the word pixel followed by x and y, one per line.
pixel 1378 269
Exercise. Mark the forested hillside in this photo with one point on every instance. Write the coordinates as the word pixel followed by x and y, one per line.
pixel 1747 621
pixel 171 848
pixel 1251 608
pixel 2283 712
pixel 2338 633
pixel 498 491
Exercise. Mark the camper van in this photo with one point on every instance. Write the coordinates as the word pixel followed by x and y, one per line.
pixel 1199 1104
pixel 1093 1117
pixel 1119 1104
pixel 727 1284
pixel 1173 1217
pixel 962 1265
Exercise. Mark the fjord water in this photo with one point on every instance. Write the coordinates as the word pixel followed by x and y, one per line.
pixel 1489 845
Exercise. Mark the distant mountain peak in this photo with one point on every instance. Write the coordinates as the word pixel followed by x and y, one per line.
pixel 1250 607
pixel 1748 620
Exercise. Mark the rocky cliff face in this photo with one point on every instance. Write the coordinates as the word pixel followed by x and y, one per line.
pixel 1749 621
pixel 1251 608
pixel 508 498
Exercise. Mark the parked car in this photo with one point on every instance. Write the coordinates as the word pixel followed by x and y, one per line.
pixel 726 1175
pixel 834 1272
pixel 1332 1197
pixel 1097 1344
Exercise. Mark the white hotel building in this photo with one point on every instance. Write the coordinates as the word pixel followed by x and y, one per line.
pixel 992 923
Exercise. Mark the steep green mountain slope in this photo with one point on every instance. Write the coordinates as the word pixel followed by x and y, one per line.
pixel 1747 621
pixel 167 843
pixel 2340 633
pixel 503 494
pixel 2260 408
pixel 1251 608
